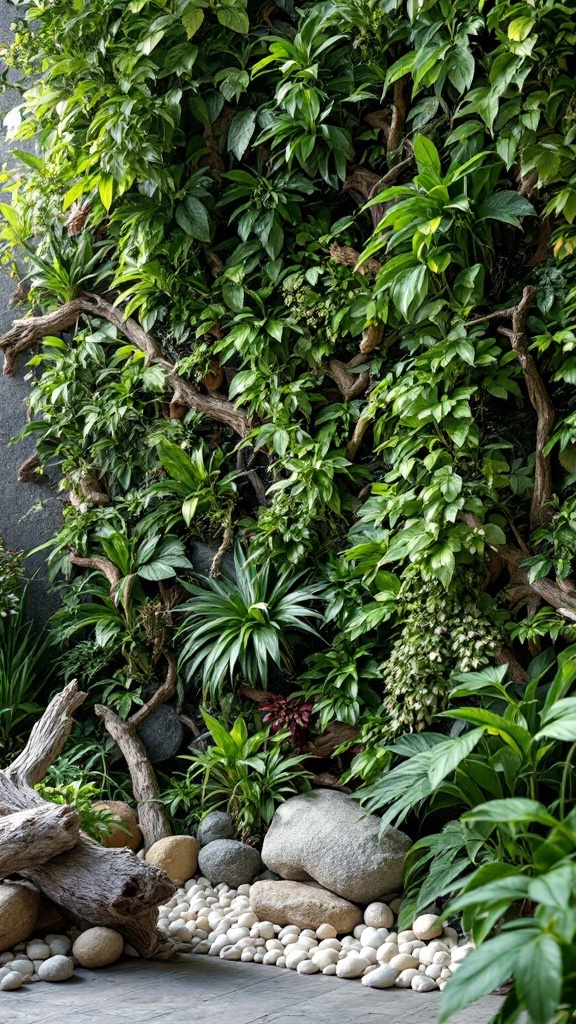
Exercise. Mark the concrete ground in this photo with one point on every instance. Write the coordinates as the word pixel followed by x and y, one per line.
pixel 205 990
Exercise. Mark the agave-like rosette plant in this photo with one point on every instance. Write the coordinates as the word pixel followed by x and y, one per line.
pixel 243 624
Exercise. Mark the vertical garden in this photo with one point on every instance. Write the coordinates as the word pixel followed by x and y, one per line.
pixel 304 355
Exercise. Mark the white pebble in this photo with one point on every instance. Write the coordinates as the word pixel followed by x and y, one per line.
pixel 296 957
pixel 330 944
pixel 378 915
pixel 450 935
pixel 358 930
pixel 289 928
pixel 442 958
pixel 427 926
pixel 24 967
pixel 218 944
pixel 382 977
pixel 38 950
pixel 406 936
pixel 281 961
pixel 231 953
pixel 202 947
pixel 351 967
pixel 404 979
pixel 460 953
pixel 266 929
pixel 420 983
pixel 403 961
pixel 271 956
pixel 307 967
pixel 59 944
pixel 329 969
pixel 247 955
pixel 323 957
pixel 369 954
pixel 11 981
pixel 247 920
pixel 326 931
pixel 386 951
pixel 348 942
pixel 434 971
pixel 258 957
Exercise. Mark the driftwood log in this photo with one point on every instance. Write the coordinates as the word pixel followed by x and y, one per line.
pixel 42 842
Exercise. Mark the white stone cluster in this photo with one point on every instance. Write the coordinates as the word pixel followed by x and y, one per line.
pixel 36 960
pixel 218 920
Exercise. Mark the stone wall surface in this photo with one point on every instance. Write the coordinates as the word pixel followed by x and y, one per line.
pixel 29 513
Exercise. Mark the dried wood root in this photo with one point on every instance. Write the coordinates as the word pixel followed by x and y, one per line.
pixel 42 843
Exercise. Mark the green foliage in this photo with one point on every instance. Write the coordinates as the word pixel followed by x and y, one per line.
pixel 514 752
pixel 536 950
pixel 11 569
pixel 243 624
pixel 23 668
pixel 96 822
pixel 248 775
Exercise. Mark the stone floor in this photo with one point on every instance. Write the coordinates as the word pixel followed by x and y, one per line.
pixel 204 990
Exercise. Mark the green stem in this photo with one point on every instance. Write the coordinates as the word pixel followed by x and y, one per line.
pixel 564 785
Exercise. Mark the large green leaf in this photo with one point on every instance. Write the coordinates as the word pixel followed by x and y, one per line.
pixel 192 216
pixel 241 131
pixel 483 970
pixel 506 207
pixel 446 757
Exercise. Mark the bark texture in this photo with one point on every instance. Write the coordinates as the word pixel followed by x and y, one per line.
pixel 42 842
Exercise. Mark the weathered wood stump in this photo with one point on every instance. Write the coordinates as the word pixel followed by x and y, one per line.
pixel 42 842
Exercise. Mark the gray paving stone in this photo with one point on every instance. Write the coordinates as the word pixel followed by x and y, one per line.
pixel 210 991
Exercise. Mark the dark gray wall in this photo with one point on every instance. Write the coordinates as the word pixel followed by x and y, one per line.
pixel 29 513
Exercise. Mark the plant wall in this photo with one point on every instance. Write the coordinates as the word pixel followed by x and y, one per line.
pixel 314 269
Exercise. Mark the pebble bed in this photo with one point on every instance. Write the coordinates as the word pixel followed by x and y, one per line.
pixel 36 960
pixel 218 921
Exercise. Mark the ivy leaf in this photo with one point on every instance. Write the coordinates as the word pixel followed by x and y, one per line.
pixel 506 207
pixel 233 18
pixel 241 131
pixel 192 216
pixel 192 21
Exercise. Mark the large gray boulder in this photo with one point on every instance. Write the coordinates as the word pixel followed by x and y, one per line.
pixel 226 860
pixel 325 835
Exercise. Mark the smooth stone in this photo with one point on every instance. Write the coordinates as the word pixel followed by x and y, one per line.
pixel 19 904
pixel 305 905
pixel 323 957
pixel 24 967
pixel 386 952
pixel 330 969
pixel 378 915
pixel 295 957
pixel 404 979
pixel 59 945
pixel 227 860
pixel 38 950
pixel 216 825
pixel 427 926
pixel 117 837
pixel 11 981
pixel 402 962
pixel 420 983
pixel 326 836
pixel 162 733
pixel 56 968
pixel 382 977
pixel 176 855
pixel 98 947
pixel 351 967
pixel 307 967
pixel 326 931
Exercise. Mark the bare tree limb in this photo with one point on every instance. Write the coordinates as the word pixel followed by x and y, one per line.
pixel 540 510
pixel 47 738
pixel 162 694
pixel 400 106
pixel 224 547
pixel 26 332
pixel 151 814
pixel 110 571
